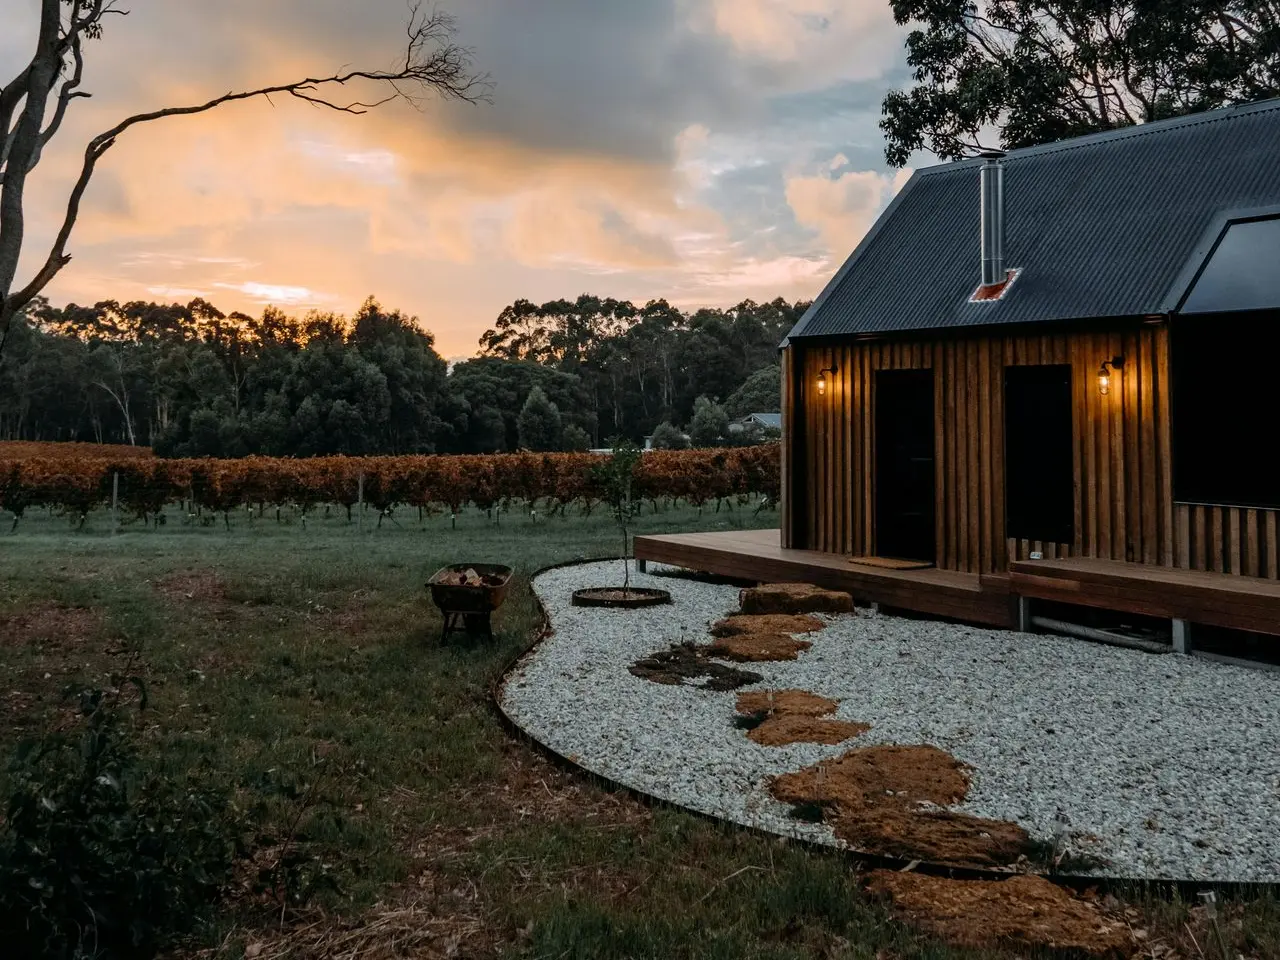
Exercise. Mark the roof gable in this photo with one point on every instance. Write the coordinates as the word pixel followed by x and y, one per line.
pixel 1098 226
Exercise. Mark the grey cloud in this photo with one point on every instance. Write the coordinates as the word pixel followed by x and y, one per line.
pixel 607 77
pixel 616 78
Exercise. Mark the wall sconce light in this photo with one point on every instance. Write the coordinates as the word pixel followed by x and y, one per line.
pixel 1104 374
pixel 822 379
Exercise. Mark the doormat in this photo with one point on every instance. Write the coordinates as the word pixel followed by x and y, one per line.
pixel 891 563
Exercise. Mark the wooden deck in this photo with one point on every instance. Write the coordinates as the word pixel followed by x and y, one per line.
pixel 1191 596
pixel 759 555
pixel 1195 596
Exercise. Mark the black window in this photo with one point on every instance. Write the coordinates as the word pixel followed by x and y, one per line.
pixel 1243 272
pixel 1225 379
pixel 1039 471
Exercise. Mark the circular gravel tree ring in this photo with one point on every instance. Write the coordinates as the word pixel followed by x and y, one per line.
pixel 619 598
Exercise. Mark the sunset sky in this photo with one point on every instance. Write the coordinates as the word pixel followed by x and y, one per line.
pixel 698 150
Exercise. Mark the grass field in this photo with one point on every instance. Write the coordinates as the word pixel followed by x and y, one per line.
pixel 275 653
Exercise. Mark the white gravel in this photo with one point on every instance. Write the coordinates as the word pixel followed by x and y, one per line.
pixel 1169 761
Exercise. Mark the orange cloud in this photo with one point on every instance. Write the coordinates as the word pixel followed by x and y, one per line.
pixel 844 208
pixel 824 40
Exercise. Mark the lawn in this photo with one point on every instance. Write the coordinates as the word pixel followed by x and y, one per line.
pixel 302 667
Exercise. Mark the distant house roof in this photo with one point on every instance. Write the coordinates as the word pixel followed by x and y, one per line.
pixel 1112 224
pixel 773 420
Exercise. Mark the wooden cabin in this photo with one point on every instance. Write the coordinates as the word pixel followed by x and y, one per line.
pixel 1053 376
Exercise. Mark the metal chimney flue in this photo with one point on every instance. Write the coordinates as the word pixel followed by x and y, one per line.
pixel 993 269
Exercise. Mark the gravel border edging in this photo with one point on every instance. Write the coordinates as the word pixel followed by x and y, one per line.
pixel 1165 888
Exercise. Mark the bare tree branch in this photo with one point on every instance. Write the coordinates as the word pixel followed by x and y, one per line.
pixel 432 64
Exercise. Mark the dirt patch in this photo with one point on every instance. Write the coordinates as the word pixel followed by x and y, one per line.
pixel 888 800
pixel 50 627
pixel 51 651
pixel 782 729
pixel 758 647
pixel 685 663
pixel 203 585
pixel 766 623
pixel 799 703
pixel 1022 912
pixel 793 598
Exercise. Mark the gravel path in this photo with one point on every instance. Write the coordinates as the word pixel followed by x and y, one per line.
pixel 1171 762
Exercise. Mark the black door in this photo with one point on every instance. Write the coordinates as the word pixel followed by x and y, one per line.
pixel 904 492
pixel 1039 481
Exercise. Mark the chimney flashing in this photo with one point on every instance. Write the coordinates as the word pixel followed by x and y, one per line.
pixel 992 292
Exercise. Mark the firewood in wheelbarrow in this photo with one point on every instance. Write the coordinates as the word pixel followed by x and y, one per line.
pixel 461 578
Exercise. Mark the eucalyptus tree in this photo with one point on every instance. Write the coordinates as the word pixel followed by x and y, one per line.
pixel 1032 71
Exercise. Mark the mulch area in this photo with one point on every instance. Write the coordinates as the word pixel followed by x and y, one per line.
pixel 775 718
pixel 1023 912
pixel 800 703
pixel 757 647
pixel 740 623
pixel 763 630
pixel 781 730
pixel 891 800
pixel 793 598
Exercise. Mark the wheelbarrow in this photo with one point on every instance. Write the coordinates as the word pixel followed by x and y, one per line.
pixel 467 594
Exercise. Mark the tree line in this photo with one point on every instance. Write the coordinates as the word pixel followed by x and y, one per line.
pixel 190 381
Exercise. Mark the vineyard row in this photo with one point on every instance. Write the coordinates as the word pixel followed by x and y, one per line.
pixel 144 486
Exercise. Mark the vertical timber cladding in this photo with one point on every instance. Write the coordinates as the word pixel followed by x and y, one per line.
pixel 793 506
pixel 785 511
pixel 1122 457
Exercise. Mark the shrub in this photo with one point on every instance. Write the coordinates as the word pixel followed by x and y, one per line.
pixel 575 439
pixel 667 436
pixel 761 393
pixel 101 856
pixel 539 424
pixel 710 423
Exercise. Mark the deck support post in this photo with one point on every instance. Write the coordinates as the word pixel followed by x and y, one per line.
pixel 1181 636
pixel 642 565
pixel 875 608
pixel 1024 614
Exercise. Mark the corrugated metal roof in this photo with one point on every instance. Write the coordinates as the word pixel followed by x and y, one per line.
pixel 1098 226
